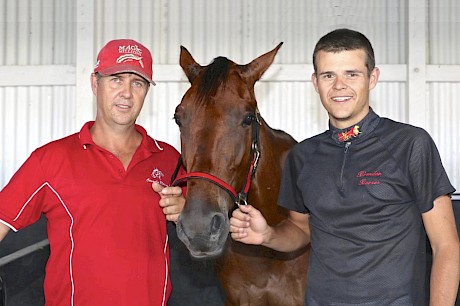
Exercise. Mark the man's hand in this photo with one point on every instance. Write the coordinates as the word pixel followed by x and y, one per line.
pixel 247 225
pixel 172 201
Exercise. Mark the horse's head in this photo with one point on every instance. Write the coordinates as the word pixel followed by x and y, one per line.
pixel 219 125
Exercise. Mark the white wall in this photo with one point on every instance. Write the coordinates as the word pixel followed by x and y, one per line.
pixel 48 50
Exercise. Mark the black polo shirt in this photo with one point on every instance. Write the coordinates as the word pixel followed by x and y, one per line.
pixel 365 189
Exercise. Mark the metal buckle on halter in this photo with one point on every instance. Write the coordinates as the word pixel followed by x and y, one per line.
pixel 241 200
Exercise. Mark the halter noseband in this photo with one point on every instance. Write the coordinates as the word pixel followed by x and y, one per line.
pixel 237 198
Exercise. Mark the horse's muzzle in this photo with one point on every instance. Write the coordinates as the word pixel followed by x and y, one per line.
pixel 204 235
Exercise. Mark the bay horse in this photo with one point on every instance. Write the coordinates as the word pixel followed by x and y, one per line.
pixel 225 146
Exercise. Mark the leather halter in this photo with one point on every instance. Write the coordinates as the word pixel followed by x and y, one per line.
pixel 239 198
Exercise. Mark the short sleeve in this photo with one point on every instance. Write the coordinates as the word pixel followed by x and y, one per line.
pixel 21 199
pixel 290 195
pixel 428 176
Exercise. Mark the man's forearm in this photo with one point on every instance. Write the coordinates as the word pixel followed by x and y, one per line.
pixel 287 237
pixel 445 274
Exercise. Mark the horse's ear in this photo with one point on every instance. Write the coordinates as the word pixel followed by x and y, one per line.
pixel 189 65
pixel 255 69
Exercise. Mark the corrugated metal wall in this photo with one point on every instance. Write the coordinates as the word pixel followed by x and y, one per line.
pixel 34 33
pixel 443 93
pixel 61 38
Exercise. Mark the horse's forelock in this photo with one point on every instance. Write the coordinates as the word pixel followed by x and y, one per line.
pixel 214 75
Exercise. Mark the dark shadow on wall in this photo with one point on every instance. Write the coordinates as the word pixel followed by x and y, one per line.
pixel 194 281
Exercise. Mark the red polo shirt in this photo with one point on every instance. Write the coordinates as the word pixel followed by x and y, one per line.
pixel 107 233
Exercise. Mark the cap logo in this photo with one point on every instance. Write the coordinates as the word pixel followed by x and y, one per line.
pixel 130 53
pixel 130 57
pixel 125 56
pixel 130 49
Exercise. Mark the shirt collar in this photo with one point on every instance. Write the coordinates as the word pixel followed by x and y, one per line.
pixel 356 131
pixel 147 142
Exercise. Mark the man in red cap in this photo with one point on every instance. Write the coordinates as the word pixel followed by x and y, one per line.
pixel 99 190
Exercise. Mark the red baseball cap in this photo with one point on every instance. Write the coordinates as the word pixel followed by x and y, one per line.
pixel 125 55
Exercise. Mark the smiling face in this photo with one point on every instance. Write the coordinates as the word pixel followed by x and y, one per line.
pixel 119 97
pixel 343 83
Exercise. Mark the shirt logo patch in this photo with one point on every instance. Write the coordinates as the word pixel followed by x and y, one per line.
pixel 157 177
pixel 352 132
pixel 369 178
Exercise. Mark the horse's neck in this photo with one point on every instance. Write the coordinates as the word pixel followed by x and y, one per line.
pixel 274 147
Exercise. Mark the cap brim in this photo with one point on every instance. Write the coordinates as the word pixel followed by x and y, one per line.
pixel 124 69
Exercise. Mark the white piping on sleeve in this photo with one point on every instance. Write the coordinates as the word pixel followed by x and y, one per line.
pixel 9 225
pixel 27 202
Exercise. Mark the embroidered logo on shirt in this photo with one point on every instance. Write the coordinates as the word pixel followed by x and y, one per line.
pixel 352 132
pixel 157 176
pixel 368 178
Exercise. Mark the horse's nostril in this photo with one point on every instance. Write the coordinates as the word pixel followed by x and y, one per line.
pixel 216 224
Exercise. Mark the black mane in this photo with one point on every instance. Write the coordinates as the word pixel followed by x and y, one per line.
pixel 215 74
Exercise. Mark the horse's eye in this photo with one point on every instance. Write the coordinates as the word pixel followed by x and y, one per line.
pixel 249 119
pixel 177 120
